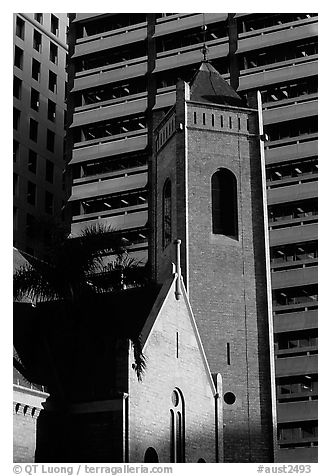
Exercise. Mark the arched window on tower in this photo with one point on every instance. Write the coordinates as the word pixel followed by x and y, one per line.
pixel 167 213
pixel 151 456
pixel 224 203
pixel 177 428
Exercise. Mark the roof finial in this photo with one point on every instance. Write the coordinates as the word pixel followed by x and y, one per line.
pixel 204 49
pixel 178 292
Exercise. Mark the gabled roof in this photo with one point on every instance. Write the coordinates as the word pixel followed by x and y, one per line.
pixel 208 86
pixel 19 259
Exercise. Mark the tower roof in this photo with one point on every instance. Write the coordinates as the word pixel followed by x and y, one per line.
pixel 209 86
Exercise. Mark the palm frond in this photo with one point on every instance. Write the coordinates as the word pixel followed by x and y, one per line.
pixel 139 358
pixel 30 283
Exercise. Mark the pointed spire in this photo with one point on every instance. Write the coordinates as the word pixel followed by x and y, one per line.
pixel 209 86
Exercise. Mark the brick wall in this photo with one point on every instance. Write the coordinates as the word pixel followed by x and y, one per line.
pixel 225 277
pixel 24 433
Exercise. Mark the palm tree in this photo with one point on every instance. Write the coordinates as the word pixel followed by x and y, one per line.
pixel 71 280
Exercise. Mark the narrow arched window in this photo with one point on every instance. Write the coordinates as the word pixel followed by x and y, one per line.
pixel 167 213
pixel 224 203
pixel 177 427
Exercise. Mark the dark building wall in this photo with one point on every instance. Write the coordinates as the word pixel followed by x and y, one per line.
pixel 93 434
pixel 38 167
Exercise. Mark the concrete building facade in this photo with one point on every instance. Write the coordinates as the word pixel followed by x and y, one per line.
pixel 122 76
pixel 39 86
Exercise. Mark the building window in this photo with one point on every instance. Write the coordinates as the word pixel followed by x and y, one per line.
pixel 50 140
pixel 17 87
pixel 177 428
pixel 167 213
pixel 51 110
pixel 48 202
pixel 229 398
pixel 16 118
pixel 35 70
pixel 49 171
pixel 16 148
pixel 151 456
pixel 33 130
pixel 18 59
pixel 297 387
pixel 53 53
pixel 32 161
pixel 31 196
pixel 307 295
pixel 224 203
pixel 20 25
pixel 39 17
pixel 54 25
pixel 34 100
pixel 37 41
pixel 52 82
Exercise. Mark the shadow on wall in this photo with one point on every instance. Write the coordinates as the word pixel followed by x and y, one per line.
pixel 98 438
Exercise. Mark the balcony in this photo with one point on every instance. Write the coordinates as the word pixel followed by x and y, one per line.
pixel 297 455
pixel 119 222
pixel 289 152
pixel 102 112
pixel 294 234
pixel 290 112
pixel 110 74
pixel 109 148
pixel 277 73
pixel 191 55
pixel 110 39
pixel 279 34
pixel 108 186
pixel 292 193
pixel 181 22
pixel 294 277
pixel 295 321
pixel 301 365
pixel 297 411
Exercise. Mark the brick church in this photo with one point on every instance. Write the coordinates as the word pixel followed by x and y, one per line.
pixel 207 394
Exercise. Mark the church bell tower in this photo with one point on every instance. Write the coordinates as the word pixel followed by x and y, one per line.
pixel 207 182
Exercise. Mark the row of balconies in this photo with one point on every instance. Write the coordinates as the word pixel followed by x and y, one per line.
pixel 137 104
pixel 180 23
pixel 192 54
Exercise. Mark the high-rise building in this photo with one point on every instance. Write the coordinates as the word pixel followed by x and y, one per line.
pixel 122 75
pixel 40 53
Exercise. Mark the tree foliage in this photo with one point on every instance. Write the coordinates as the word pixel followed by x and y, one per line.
pixel 74 272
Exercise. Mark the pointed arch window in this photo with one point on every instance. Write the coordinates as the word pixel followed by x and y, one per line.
pixel 224 203
pixel 167 213
pixel 177 428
